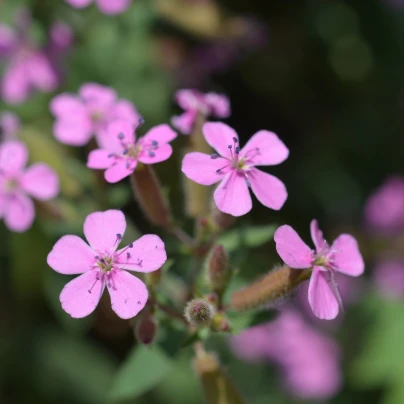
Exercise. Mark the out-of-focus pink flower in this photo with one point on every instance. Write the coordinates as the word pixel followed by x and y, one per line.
pixel 309 360
pixel 27 66
pixel 193 103
pixel 388 276
pixel 106 6
pixel 9 126
pixel 384 210
pixel 18 185
pixel 61 37
pixel 236 169
pixel 100 265
pixel 121 151
pixel 342 256
pixel 79 117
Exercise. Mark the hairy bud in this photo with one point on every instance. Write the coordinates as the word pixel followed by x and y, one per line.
pixel 275 285
pixel 217 265
pixel 147 191
pixel 199 312
pixel 145 327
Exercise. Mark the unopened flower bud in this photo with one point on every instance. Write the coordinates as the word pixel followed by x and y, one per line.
pixel 220 322
pixel 147 190
pixel 146 328
pixel 269 289
pixel 199 312
pixel 217 265
pixel 212 298
pixel 220 219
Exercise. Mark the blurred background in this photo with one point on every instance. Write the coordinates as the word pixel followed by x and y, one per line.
pixel 327 77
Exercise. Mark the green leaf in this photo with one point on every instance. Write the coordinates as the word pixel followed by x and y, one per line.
pixel 251 236
pixel 142 370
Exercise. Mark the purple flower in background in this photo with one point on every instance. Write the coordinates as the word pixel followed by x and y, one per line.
pixel 19 184
pixel 79 117
pixel 106 6
pixel 9 126
pixel 193 103
pixel 384 210
pixel 388 276
pixel 309 360
pixel 27 66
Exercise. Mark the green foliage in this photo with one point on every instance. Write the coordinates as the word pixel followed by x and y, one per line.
pixel 143 369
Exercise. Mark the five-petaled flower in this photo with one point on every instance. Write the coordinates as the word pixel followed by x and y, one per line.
pixel 101 264
pixel 17 185
pixel 236 169
pixel 193 103
pixel 106 6
pixel 78 117
pixel 122 151
pixel 342 256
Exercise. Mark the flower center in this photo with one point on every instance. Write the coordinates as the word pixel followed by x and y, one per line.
pixel 105 264
pixel 10 185
pixel 97 116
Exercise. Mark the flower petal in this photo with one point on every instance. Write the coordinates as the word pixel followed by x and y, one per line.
pixel 15 87
pixel 292 249
pixel 79 3
pixel 120 170
pixel 347 257
pixel 266 149
pixel 218 104
pixel 202 169
pixel 158 155
pixel 41 74
pixel 99 159
pixel 94 93
pixel 113 7
pixel 76 132
pixel 184 122
pixel 67 105
pixel 19 213
pixel 160 133
pixel 269 190
pixel 40 181
pixel 128 294
pixel 13 157
pixel 71 255
pixel 188 99
pixel 321 297
pixel 232 195
pixel 117 129
pixel 124 109
pixel 80 296
pixel 101 229
pixel 8 40
pixel 220 136
pixel 147 254
pixel 317 235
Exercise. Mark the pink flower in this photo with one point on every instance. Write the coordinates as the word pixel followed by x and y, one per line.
pixel 309 360
pixel 236 170
pixel 106 6
pixel 122 151
pixel 78 117
pixel 343 256
pixel 9 126
pixel 194 103
pixel 384 210
pixel 101 264
pixel 27 66
pixel 17 185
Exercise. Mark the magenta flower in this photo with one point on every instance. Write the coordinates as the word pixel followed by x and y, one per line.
pixel 9 126
pixel 122 151
pixel 101 264
pixel 308 359
pixel 236 169
pixel 27 66
pixel 106 6
pixel 194 103
pixel 388 276
pixel 78 117
pixel 17 185
pixel 384 210
pixel 342 256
